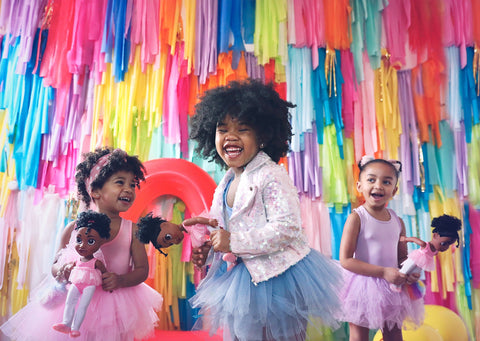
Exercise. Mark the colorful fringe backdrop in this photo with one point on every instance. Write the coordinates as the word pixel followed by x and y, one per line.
pixel 397 79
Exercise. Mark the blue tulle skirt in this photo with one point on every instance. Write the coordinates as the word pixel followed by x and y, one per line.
pixel 277 309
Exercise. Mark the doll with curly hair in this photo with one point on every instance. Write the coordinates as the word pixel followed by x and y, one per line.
pixel 444 233
pixel 92 230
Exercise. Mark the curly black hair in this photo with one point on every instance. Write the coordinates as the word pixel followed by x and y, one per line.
pixel 447 226
pixel 253 103
pixel 149 228
pixel 99 222
pixel 118 160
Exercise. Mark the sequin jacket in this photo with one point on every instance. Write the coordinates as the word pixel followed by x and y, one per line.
pixel 265 225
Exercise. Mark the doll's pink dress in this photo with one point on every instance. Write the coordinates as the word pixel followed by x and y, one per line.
pixel 84 274
pixel 423 258
pixel 124 314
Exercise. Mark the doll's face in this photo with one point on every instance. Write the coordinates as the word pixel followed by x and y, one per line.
pixel 441 243
pixel 87 242
pixel 169 234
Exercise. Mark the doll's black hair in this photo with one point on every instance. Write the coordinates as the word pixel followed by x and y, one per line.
pixel 447 226
pixel 396 165
pixel 148 228
pixel 253 103
pixel 118 160
pixel 92 220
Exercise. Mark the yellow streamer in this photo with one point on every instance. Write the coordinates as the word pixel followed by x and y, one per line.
pixel 386 104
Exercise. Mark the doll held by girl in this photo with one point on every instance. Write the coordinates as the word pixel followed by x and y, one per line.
pixel 444 233
pixel 371 252
pixel 92 230
pixel 162 233
pixel 279 284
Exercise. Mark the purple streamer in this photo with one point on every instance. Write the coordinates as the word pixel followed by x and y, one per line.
pixel 205 39
pixel 408 138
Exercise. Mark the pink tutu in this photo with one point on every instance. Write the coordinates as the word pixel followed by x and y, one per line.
pixel 86 276
pixel 422 258
pixel 123 314
pixel 126 313
pixel 369 302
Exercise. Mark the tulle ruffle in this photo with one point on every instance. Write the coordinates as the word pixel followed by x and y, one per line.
pixel 278 309
pixel 369 302
pixel 86 276
pixel 422 260
pixel 123 314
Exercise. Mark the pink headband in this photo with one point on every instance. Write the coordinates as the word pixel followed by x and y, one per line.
pixel 97 167
pixel 367 158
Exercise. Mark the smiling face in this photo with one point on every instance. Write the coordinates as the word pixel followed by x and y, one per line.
pixel 236 143
pixel 169 234
pixel 117 194
pixel 87 242
pixel 378 184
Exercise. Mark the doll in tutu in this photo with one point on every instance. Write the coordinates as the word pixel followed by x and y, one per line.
pixel 162 233
pixel 92 230
pixel 444 233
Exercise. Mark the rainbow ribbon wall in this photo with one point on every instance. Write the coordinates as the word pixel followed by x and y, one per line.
pixel 396 79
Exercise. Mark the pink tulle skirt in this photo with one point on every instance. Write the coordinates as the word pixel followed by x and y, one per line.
pixel 369 302
pixel 123 314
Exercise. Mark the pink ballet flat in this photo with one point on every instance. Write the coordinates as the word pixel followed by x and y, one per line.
pixel 62 328
pixel 74 333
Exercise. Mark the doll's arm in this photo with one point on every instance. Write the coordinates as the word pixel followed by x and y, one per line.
pixel 415 240
pixel 200 220
pixel 100 266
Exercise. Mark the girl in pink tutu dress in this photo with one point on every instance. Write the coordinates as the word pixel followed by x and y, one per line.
pixel 126 307
pixel 444 233
pixel 92 229
pixel 370 252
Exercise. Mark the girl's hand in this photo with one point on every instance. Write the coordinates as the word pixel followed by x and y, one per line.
pixel 394 276
pixel 110 281
pixel 199 254
pixel 220 240
pixel 412 278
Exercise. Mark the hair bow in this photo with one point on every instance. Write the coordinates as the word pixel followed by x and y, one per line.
pixel 365 159
pixel 368 158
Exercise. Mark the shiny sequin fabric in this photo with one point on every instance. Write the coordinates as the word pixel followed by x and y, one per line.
pixel 265 225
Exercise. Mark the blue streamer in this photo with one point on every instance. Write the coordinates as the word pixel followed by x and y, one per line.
pixel 338 219
pixel 248 17
pixel 467 271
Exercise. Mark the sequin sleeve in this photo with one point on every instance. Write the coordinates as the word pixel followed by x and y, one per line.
pixel 274 217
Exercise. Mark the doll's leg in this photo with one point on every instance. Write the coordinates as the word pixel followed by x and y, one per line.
pixel 82 306
pixel 70 303
pixel 408 267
